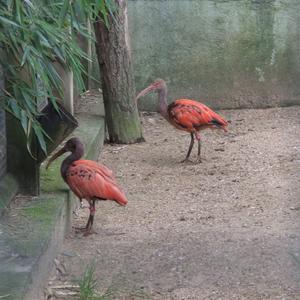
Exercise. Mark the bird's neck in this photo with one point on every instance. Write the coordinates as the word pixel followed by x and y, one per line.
pixel 67 162
pixel 162 102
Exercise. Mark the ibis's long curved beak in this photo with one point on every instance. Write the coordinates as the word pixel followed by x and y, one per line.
pixel 145 91
pixel 55 156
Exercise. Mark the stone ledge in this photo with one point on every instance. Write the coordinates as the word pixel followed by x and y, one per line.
pixel 31 234
pixel 8 189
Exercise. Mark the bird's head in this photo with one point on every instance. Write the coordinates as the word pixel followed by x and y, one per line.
pixel 72 145
pixel 157 85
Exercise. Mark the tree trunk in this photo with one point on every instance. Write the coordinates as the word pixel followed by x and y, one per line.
pixel 116 71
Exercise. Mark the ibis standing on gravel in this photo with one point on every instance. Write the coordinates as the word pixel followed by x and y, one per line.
pixel 185 114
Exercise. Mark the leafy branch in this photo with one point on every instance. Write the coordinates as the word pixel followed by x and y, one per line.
pixel 33 35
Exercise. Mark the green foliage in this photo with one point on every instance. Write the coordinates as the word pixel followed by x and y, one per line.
pixel 88 285
pixel 33 35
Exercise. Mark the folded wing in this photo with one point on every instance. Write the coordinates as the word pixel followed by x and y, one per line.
pixel 192 115
pixel 89 180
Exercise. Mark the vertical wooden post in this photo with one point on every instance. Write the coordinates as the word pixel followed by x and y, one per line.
pixel 68 84
pixel 89 53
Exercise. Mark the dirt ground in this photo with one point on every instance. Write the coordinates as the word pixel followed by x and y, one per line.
pixel 227 228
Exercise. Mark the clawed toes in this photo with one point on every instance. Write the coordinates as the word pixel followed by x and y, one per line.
pixel 186 160
pixel 89 232
pixel 80 229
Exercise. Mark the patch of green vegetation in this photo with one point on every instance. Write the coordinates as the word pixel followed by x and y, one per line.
pixel 88 285
pixel 51 180
pixel 42 210
pixel 12 285
pixel 133 130
pixel 94 149
pixel 35 225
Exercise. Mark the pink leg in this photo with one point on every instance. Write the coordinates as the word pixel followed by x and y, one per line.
pixel 190 149
pixel 90 222
pixel 197 134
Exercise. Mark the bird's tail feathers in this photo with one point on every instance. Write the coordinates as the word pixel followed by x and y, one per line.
pixel 120 198
pixel 225 128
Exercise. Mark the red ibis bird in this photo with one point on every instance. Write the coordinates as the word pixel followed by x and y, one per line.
pixel 185 114
pixel 87 179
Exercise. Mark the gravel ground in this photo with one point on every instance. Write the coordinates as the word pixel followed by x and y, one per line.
pixel 227 228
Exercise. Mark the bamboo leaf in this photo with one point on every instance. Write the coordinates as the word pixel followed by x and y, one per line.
pixel 9 22
pixel 15 108
pixel 33 35
pixel 25 54
pixel 29 3
pixel 24 122
pixel 40 137
pixel 29 139
pixel 63 12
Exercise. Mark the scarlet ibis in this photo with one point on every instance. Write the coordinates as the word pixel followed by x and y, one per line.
pixel 185 114
pixel 87 179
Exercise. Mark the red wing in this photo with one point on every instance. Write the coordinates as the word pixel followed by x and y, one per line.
pixel 95 165
pixel 89 180
pixel 192 114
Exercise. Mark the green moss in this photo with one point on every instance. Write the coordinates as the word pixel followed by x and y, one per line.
pixel 130 121
pixel 27 236
pixel 8 281
pixel 35 224
pixel 42 210
pixel 91 132
pixel 51 180
pixel 229 54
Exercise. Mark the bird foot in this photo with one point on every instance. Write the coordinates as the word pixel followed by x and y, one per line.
pixel 85 230
pixel 80 229
pixel 89 232
pixel 186 160
pixel 198 160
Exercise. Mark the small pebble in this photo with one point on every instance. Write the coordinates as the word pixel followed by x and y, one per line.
pixel 69 253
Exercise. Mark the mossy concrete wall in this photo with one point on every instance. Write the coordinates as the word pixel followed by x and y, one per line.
pixel 2 133
pixel 228 54
pixel 2 144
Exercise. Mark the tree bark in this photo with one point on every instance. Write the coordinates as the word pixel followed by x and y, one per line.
pixel 117 78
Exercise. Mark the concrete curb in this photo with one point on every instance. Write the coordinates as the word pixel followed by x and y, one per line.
pixel 31 240
pixel 8 189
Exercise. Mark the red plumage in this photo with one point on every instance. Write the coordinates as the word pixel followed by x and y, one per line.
pixel 191 116
pixel 185 114
pixel 88 179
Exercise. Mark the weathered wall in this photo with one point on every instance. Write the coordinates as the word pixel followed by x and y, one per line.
pixel 229 54
pixel 2 144
pixel 2 135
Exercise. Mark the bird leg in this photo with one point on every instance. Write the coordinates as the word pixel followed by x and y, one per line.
pixel 89 225
pixel 199 148
pixel 76 210
pixel 190 149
